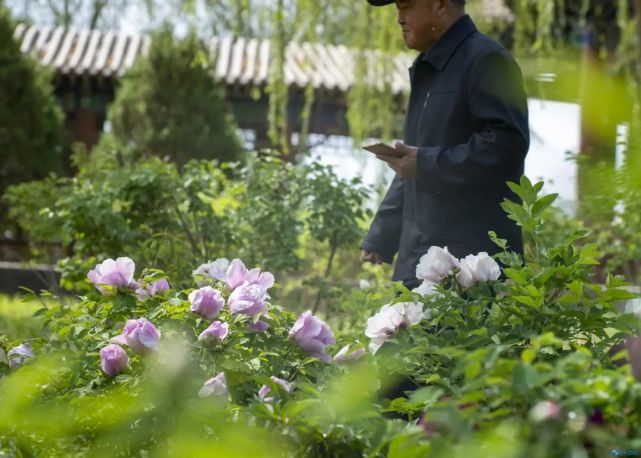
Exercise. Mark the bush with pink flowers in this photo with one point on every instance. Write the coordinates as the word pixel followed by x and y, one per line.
pixel 529 364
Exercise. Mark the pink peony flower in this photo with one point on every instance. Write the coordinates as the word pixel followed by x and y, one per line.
pixel 152 289
pixel 218 330
pixel 259 326
pixel 265 389
pixel 263 279
pixel 248 299
pixel 140 335
pixel 312 335
pixel 207 302
pixel 237 274
pixel 113 359
pixel 118 274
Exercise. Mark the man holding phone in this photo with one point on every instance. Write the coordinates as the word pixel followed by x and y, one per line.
pixel 465 135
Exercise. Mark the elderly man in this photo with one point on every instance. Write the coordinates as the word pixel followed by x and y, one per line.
pixel 465 135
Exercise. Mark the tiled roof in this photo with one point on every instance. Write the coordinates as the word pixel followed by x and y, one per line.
pixel 82 52
pixel 242 61
pixel 239 61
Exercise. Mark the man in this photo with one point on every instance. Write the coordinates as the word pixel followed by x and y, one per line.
pixel 465 135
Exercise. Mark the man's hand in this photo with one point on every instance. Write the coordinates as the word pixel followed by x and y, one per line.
pixel 406 164
pixel 370 256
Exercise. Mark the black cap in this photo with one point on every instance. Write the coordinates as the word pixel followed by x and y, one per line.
pixel 380 2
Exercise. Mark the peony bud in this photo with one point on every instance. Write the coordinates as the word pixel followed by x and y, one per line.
pixel 312 335
pixel 217 330
pixel 113 359
pixel 259 326
pixel 140 335
pixel 265 389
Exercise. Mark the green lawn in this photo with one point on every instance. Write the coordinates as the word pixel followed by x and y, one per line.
pixel 16 317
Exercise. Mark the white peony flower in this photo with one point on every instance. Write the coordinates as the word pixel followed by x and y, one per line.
pixel 427 288
pixel 382 326
pixel 18 355
pixel 216 386
pixel 436 264
pixel 213 269
pixel 385 324
pixel 477 269
pixel 344 356
pixel 413 313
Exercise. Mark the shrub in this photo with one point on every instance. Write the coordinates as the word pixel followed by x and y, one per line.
pixel 31 139
pixel 169 105
pixel 521 366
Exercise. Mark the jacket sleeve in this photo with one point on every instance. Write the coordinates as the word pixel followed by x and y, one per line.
pixel 384 234
pixel 500 138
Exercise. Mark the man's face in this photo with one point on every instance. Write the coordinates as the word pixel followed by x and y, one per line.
pixel 417 19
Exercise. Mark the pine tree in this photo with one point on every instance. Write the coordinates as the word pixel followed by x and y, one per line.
pixel 31 133
pixel 170 105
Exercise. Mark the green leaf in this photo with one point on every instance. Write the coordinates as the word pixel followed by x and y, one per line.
pixel 589 255
pixel 427 395
pixel 516 275
pixel 515 212
pixel 543 203
pixel 527 300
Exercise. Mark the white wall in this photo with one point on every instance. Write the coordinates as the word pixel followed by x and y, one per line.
pixel 554 128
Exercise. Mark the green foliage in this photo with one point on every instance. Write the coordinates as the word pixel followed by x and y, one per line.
pixel 169 105
pixel 31 140
pixel 268 220
pixel 264 212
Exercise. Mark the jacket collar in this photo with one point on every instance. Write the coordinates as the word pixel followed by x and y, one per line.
pixel 441 53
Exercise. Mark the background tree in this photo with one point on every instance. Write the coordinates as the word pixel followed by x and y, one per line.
pixel 170 106
pixel 31 141
pixel 83 14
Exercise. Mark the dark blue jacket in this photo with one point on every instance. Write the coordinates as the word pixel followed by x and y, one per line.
pixel 468 115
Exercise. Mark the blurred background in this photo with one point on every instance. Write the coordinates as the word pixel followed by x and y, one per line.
pixel 111 113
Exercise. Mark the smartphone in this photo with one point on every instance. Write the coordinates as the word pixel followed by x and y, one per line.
pixel 382 149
